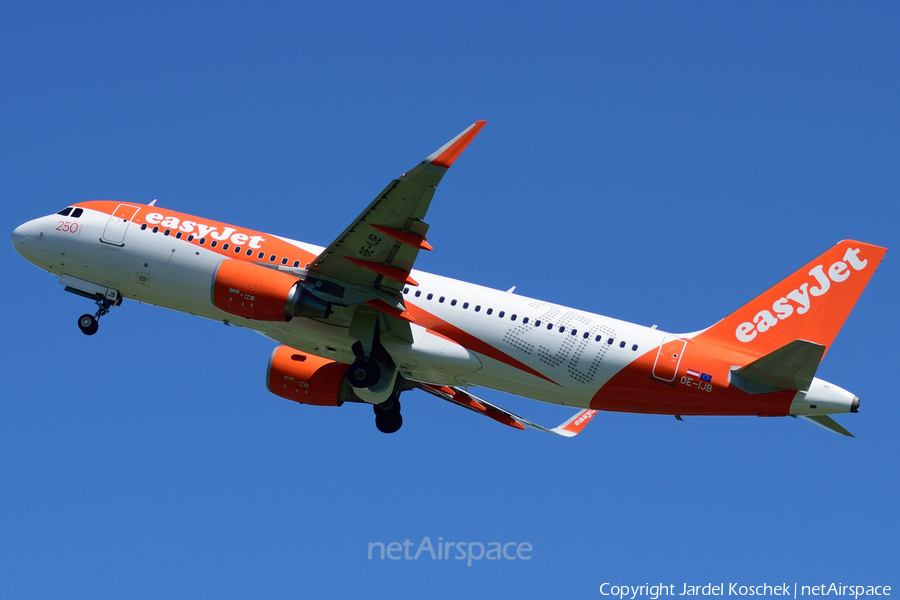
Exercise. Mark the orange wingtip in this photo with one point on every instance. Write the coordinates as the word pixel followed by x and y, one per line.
pixel 404 237
pixel 394 273
pixel 577 423
pixel 450 151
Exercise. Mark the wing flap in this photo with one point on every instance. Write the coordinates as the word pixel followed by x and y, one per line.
pixel 464 398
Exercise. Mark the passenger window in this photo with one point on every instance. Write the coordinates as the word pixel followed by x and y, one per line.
pixel 587 334
pixel 202 241
pixel 490 310
pixel 537 323
pixel 597 339
pixel 178 235
pixel 261 255
pixel 155 229
pixel 477 307
pixel 237 249
pixel 418 293
pixel 574 332
pixel 500 314
pixel 190 238
pixel 284 261
pixel 610 341
pixel 512 317
pixel 562 329
pixel 429 296
pixel 525 321
pixel 441 299
pixel 453 302
pixel 143 227
pixel 271 258
pixel 634 347
pixel 167 232
pixel 622 344
pixel 296 263
pixel 249 252
pixel 406 290
pixel 549 326
pixel 65 212
pixel 465 305
pixel 213 244
pixel 77 213
pixel 225 246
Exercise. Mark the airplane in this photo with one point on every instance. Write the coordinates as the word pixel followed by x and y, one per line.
pixel 356 323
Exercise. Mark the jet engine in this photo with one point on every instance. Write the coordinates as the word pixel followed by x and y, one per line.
pixel 307 379
pixel 263 294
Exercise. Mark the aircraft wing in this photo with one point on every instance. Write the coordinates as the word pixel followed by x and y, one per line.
pixel 464 398
pixel 377 251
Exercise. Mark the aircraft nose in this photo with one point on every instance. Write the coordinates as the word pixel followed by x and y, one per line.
pixel 18 238
pixel 22 235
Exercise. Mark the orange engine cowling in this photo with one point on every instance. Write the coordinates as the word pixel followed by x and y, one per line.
pixel 306 378
pixel 255 292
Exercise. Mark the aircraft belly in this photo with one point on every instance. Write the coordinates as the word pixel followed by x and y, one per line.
pixel 314 337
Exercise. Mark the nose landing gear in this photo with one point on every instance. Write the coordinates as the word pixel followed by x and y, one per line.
pixel 88 323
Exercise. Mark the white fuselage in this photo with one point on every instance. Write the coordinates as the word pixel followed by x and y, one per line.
pixel 462 334
pixel 161 270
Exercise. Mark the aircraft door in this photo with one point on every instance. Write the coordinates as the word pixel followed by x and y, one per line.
pixel 118 223
pixel 668 358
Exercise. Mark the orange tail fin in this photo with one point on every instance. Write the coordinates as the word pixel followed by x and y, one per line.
pixel 811 305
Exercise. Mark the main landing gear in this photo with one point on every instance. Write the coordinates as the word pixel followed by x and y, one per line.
pixel 376 382
pixel 387 415
pixel 88 323
pixel 364 373
pixel 373 375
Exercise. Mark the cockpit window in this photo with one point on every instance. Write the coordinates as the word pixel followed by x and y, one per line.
pixel 77 213
pixel 65 212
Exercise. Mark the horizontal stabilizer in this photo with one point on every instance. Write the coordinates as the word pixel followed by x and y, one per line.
pixel 791 367
pixel 828 423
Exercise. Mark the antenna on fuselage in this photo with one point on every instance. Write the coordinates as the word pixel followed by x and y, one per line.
pixel 152 202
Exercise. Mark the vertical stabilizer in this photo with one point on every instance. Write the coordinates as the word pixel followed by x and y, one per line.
pixel 810 305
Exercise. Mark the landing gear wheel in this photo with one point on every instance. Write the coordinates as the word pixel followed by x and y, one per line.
pixel 389 423
pixel 388 407
pixel 88 324
pixel 363 373
pixel 387 415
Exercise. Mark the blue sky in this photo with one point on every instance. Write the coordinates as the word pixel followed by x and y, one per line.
pixel 660 163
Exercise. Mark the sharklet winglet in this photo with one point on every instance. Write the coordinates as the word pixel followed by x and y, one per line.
pixel 449 152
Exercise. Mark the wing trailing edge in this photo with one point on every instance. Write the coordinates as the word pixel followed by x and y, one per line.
pixel 461 397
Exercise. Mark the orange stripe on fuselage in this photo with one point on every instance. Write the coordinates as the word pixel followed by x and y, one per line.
pixel 209 230
pixel 633 389
pixel 811 304
pixel 467 340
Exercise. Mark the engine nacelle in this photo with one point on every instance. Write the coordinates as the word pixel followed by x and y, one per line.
pixel 307 378
pixel 263 294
